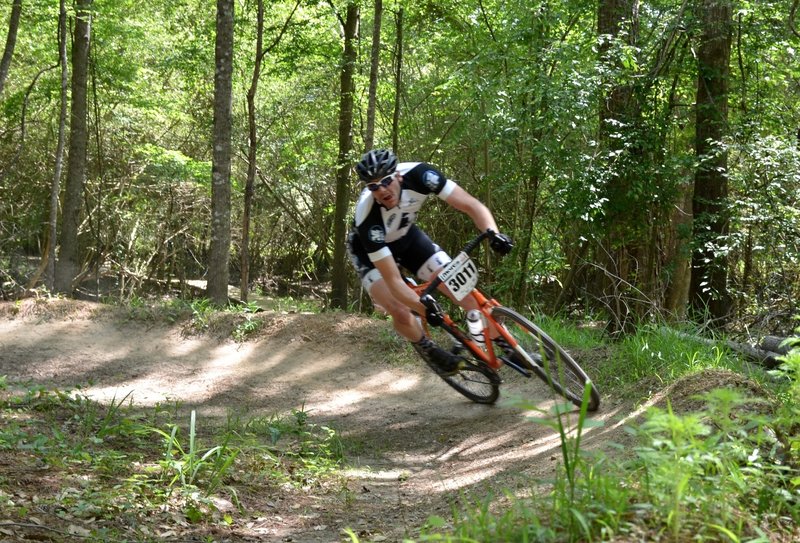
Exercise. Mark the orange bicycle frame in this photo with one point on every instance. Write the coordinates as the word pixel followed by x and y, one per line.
pixel 485 306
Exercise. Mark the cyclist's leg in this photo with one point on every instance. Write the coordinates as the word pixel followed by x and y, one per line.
pixel 404 322
pixel 408 325
pixel 416 252
pixel 467 303
pixel 420 253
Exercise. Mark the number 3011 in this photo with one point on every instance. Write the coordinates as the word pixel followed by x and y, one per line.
pixel 465 277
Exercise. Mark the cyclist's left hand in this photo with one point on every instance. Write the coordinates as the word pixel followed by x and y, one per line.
pixel 433 311
pixel 501 244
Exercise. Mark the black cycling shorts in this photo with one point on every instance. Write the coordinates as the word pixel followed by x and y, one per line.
pixel 415 252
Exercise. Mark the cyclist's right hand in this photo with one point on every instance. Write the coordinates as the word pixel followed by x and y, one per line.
pixel 433 311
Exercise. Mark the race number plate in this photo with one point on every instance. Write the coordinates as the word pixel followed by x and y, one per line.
pixel 460 276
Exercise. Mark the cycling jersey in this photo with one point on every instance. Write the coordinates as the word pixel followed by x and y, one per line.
pixel 379 232
pixel 379 228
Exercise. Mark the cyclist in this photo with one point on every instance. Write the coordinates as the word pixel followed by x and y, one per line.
pixel 384 237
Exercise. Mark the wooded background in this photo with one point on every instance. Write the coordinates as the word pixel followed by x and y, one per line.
pixel 645 156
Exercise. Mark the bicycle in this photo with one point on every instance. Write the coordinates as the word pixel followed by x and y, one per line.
pixel 510 340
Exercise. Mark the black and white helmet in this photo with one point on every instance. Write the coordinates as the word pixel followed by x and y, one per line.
pixel 375 164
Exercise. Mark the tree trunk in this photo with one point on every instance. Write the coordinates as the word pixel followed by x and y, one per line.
pixel 339 278
pixel 619 256
pixel 398 80
pixel 219 251
pixel 249 190
pixel 55 188
pixel 677 290
pixel 68 264
pixel 11 42
pixel 369 137
pixel 709 295
pixel 251 155
pixel 616 19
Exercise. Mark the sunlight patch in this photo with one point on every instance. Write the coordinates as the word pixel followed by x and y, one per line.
pixel 404 383
pixel 342 401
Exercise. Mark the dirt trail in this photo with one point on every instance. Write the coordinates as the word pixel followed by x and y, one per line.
pixel 422 446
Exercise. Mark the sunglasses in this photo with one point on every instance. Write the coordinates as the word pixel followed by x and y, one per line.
pixel 384 182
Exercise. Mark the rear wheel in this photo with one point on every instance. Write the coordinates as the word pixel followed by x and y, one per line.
pixel 552 364
pixel 476 381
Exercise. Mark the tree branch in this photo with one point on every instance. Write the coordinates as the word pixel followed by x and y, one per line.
pixel 277 39
pixel 791 18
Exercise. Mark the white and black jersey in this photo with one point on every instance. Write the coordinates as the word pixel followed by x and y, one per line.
pixel 379 232
pixel 378 228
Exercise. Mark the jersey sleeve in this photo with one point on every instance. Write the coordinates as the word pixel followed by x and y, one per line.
pixel 370 228
pixel 426 179
pixel 374 240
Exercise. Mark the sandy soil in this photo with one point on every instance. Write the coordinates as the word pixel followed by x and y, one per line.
pixel 421 446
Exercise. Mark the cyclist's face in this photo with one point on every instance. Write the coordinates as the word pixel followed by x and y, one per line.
pixel 387 194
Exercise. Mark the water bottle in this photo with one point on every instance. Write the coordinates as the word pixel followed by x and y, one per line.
pixel 475 326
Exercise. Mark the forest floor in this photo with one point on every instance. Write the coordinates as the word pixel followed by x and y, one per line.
pixel 413 447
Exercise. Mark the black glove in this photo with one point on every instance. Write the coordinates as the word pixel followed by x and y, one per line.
pixel 501 244
pixel 433 312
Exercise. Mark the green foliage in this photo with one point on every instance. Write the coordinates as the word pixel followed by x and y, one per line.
pixel 573 504
pixel 291 304
pixel 766 223
pixel 787 416
pixel 109 468
pixel 187 465
pixel 171 310
pixel 660 353
pixel 567 333
pixel 687 467
pixel 699 476
pixel 505 97
pixel 205 316
pixel 170 166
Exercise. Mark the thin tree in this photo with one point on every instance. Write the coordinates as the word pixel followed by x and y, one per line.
pixel 55 188
pixel 710 206
pixel 398 80
pixel 253 140
pixel 219 251
pixel 346 98
pixel 244 283
pixel 11 41
pixel 68 264
pixel 375 58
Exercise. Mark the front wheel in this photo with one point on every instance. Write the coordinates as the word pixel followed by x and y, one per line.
pixel 552 364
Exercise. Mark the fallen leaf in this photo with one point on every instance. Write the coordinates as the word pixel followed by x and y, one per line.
pixel 78 530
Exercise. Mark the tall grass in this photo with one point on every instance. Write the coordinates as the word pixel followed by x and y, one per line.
pixel 727 471
pixel 659 354
pixel 186 464
pixel 127 475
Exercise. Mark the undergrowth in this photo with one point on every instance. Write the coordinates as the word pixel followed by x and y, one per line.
pixel 115 466
pixel 237 321
pixel 728 471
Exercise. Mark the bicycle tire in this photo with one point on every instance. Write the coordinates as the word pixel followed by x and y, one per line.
pixel 558 370
pixel 475 382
